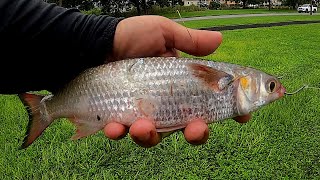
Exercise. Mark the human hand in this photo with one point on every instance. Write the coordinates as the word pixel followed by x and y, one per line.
pixel 147 36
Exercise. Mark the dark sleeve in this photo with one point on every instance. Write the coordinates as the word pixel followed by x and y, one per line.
pixel 44 46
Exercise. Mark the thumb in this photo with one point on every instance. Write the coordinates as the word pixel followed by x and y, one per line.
pixel 191 41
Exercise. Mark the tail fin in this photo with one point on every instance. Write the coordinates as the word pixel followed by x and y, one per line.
pixel 38 120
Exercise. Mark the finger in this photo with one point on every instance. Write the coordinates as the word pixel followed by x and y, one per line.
pixel 115 131
pixel 172 52
pixel 198 42
pixel 243 118
pixel 143 132
pixel 196 132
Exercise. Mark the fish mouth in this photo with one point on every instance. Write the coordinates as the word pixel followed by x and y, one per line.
pixel 282 91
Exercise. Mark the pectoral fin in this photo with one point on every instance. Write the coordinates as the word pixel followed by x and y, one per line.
pixel 215 79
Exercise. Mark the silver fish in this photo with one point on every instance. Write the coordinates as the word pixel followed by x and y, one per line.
pixel 171 91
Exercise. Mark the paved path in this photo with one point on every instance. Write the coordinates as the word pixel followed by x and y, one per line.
pixel 246 26
pixel 242 15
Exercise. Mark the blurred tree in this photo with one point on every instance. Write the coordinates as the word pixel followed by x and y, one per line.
pixel 114 7
pixel 142 5
pixel 294 3
pixel 136 3
pixel 177 2
pixel 214 5
pixel 163 3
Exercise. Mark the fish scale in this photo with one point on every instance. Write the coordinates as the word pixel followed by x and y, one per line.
pixel 170 91
pixel 113 82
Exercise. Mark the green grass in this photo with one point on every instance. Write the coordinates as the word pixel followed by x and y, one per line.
pixel 281 141
pixel 227 12
pixel 246 20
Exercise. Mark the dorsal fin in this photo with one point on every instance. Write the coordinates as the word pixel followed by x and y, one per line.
pixel 217 80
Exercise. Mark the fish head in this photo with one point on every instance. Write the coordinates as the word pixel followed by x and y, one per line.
pixel 256 89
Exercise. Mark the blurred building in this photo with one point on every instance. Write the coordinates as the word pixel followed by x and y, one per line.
pixel 229 3
pixel 196 2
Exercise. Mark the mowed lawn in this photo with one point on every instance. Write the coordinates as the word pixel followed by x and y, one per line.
pixel 281 141
pixel 228 12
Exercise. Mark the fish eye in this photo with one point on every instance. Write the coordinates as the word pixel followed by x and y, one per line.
pixel 271 86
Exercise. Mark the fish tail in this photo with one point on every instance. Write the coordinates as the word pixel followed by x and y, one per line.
pixel 39 118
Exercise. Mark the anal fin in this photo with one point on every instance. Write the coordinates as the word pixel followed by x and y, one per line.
pixel 166 134
pixel 84 128
pixel 170 129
